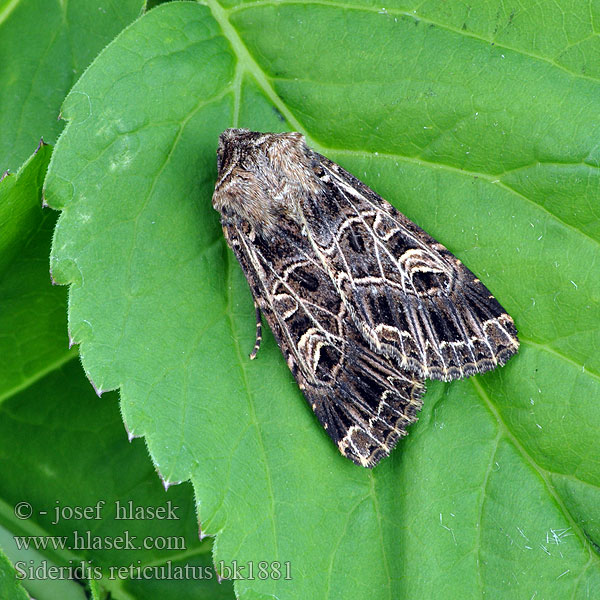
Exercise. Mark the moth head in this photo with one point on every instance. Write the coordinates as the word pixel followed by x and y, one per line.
pixel 261 175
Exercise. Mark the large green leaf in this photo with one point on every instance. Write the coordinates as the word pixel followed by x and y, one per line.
pixel 45 45
pixel 481 125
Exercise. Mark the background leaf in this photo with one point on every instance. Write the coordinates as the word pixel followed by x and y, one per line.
pixel 44 47
pixel 480 125
pixel 33 337
pixel 9 587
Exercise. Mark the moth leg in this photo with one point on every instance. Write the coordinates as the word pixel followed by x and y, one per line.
pixel 258 332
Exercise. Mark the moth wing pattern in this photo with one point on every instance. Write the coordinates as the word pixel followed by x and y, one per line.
pixel 408 295
pixel 360 397
pixel 376 404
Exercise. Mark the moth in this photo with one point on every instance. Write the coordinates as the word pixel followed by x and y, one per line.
pixel 363 304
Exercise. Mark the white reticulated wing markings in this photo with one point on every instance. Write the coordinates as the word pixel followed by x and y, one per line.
pixel 363 303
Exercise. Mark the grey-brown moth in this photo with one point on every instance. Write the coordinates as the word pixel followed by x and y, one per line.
pixel 363 303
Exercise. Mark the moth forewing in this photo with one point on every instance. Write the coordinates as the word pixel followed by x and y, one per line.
pixel 363 303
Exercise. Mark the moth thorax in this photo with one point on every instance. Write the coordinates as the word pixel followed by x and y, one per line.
pixel 262 203
pixel 263 178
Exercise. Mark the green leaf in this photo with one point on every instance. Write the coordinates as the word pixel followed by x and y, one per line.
pixel 60 447
pixel 10 588
pixel 45 45
pixel 92 467
pixel 33 338
pixel 479 125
